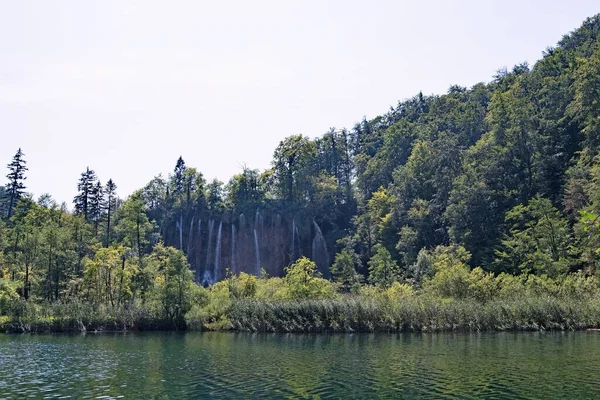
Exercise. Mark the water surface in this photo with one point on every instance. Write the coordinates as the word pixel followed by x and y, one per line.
pixel 236 365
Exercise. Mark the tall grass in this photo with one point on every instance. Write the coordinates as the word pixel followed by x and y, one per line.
pixel 77 316
pixel 418 314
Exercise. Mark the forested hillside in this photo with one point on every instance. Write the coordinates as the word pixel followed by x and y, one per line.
pixel 505 173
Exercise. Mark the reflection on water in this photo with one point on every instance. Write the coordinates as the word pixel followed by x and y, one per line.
pixel 236 365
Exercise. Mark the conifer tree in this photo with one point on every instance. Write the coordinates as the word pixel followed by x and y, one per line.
pixel 109 206
pixel 96 205
pixel 178 176
pixel 85 188
pixel 16 176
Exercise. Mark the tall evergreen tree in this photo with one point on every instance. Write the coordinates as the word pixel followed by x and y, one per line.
pixel 85 188
pixel 96 205
pixel 16 176
pixel 178 176
pixel 109 206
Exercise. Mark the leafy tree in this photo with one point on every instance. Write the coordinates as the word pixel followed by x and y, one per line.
pixel 303 280
pixel 108 276
pixel 175 284
pixel 343 269
pixel 133 228
pixel 451 278
pixel 539 240
pixel 292 166
pixel 215 196
pixel 245 190
pixel 383 270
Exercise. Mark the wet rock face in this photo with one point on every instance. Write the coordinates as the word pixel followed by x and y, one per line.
pixel 242 244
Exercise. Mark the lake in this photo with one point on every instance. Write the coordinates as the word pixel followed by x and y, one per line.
pixel 240 365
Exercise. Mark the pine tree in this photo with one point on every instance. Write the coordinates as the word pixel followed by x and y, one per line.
pixel 85 188
pixel 96 205
pixel 109 206
pixel 178 176
pixel 16 176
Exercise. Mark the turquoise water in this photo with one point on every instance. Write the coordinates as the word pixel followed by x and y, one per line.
pixel 236 365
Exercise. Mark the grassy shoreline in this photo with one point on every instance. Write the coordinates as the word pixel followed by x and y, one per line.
pixel 347 313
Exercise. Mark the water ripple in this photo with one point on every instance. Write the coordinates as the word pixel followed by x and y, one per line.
pixel 229 365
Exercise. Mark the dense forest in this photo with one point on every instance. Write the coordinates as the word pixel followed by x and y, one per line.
pixel 482 184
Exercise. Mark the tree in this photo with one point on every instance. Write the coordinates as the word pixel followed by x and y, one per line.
pixel 96 205
pixel 539 240
pixel 174 289
pixel 16 176
pixel 85 189
pixel 244 191
pixel 383 270
pixel 451 277
pixel 343 269
pixel 110 207
pixel 133 228
pixel 178 177
pixel 292 167
pixel 587 227
pixel 215 196
pixel 303 280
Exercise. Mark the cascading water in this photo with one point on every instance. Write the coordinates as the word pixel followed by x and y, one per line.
pixel 256 241
pixel 180 232
pixel 259 224
pixel 218 254
pixel 298 244
pixel 233 263
pixel 256 253
pixel 190 238
pixel 207 279
pixel 295 241
pixel 199 250
pixel 293 254
pixel 319 249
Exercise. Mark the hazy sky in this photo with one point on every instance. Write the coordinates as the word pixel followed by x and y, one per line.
pixel 125 87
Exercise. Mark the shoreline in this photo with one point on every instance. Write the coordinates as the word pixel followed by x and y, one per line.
pixel 347 314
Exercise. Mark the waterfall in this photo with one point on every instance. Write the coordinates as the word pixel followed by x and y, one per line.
pixel 294 230
pixel 211 225
pixel 218 253
pixel 319 241
pixel 190 238
pixel 199 236
pixel 298 244
pixel 257 221
pixel 242 220
pixel 199 251
pixel 256 253
pixel 256 241
pixel 233 266
pixel 180 232
pixel 259 224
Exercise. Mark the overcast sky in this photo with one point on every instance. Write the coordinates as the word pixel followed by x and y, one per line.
pixel 126 87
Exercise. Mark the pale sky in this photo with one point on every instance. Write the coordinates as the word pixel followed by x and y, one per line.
pixel 126 87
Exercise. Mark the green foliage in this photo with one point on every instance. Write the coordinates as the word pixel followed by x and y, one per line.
pixel 173 283
pixel 452 277
pixel 539 240
pixel 383 270
pixel 508 172
pixel 8 294
pixel 343 269
pixel 304 281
